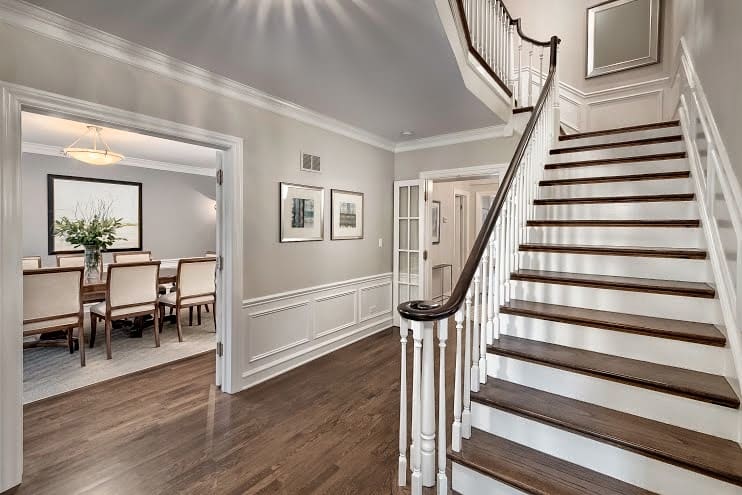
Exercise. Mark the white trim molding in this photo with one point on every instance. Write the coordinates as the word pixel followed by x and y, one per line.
pixel 496 169
pixel 45 149
pixel 491 132
pixel 719 202
pixel 39 20
pixel 289 329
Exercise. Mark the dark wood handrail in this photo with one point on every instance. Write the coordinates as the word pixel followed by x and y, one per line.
pixel 431 311
pixel 516 23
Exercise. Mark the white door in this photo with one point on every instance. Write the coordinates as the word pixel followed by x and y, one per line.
pixel 409 243
pixel 220 279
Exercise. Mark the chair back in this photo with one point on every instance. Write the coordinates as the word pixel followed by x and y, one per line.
pixel 210 254
pixel 132 257
pixel 132 284
pixel 64 260
pixel 52 293
pixel 31 262
pixel 196 277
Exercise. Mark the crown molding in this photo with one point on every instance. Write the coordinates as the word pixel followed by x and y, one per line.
pixel 491 132
pixel 33 18
pixel 44 149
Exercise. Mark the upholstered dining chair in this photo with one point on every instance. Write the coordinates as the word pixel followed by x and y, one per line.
pixel 194 286
pixel 64 260
pixel 132 256
pixel 31 262
pixel 52 301
pixel 131 291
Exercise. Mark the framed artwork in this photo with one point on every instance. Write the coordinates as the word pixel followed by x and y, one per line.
pixel 346 210
pixel 622 35
pixel 435 220
pixel 76 197
pixel 301 213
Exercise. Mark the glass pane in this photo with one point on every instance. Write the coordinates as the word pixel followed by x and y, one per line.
pixel 414 268
pixel 414 201
pixel 403 267
pixel 414 293
pixel 404 293
pixel 414 235
pixel 403 235
pixel 403 201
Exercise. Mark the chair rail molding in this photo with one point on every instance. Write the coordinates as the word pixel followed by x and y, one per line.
pixel 39 20
pixel 15 98
pixel 288 329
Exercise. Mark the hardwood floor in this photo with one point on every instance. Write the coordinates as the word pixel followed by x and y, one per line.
pixel 330 427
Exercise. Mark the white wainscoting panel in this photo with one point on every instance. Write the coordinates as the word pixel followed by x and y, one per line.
pixel 289 329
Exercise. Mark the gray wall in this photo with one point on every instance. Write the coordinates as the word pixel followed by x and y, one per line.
pixel 272 147
pixel 178 216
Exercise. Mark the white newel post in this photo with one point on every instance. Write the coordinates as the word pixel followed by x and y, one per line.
pixel 417 336
pixel 483 324
pixel 427 391
pixel 402 470
pixel 442 479
pixel 475 337
pixel 457 399
pixel 466 414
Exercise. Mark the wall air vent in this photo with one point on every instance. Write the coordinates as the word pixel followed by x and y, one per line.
pixel 310 163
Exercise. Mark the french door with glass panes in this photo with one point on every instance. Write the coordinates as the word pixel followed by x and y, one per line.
pixel 409 243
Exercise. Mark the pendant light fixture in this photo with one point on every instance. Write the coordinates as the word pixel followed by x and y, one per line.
pixel 95 155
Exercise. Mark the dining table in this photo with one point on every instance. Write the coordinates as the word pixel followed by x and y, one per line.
pixel 98 285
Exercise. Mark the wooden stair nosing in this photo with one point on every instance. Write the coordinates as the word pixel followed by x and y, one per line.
pixel 648 198
pixel 620 144
pixel 681 174
pixel 533 471
pixel 681 382
pixel 693 332
pixel 699 452
pixel 620 130
pixel 631 284
pixel 641 252
pixel 611 161
pixel 522 109
pixel 615 223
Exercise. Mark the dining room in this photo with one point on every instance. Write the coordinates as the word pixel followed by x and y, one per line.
pixel 119 253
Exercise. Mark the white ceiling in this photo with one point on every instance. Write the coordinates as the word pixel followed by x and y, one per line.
pixel 382 65
pixel 54 131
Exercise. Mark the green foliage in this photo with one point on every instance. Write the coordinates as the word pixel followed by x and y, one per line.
pixel 92 225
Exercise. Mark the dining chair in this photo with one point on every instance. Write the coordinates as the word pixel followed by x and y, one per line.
pixel 194 286
pixel 131 291
pixel 132 256
pixel 31 262
pixel 52 302
pixel 64 260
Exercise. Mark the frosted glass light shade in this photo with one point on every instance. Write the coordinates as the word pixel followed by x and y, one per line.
pixel 94 156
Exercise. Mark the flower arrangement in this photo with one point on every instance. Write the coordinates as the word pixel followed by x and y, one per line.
pixel 93 226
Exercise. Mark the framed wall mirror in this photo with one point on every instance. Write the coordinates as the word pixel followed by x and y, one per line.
pixel 622 35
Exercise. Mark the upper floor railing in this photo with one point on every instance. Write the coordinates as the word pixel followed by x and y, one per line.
pixel 484 284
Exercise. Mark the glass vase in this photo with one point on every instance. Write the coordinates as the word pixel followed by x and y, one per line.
pixel 92 262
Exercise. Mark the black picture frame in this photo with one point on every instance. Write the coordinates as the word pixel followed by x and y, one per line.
pixel 50 180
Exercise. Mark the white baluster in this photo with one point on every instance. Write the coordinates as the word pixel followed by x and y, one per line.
pixel 442 479
pixel 512 77
pixel 518 77
pixel 504 252
pixel 500 276
pixel 403 330
pixel 475 337
pixel 483 324
pixel 457 398
pixel 427 393
pixel 417 337
pixel 491 290
pixel 466 414
pixel 541 70
pixel 530 74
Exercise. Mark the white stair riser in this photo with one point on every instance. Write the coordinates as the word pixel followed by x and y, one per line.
pixel 620 137
pixel 698 309
pixel 620 266
pixel 661 210
pixel 608 189
pixel 688 355
pixel 660 477
pixel 470 482
pixel 630 168
pixel 672 409
pixel 647 149
pixel 670 237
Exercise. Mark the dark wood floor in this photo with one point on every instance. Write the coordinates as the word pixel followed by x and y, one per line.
pixel 327 427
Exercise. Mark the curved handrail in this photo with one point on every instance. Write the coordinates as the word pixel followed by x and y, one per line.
pixel 431 311
pixel 516 23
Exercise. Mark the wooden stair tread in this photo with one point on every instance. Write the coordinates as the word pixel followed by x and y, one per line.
pixel 674 287
pixel 689 331
pixel 700 452
pixel 619 130
pixel 677 381
pixel 609 161
pixel 533 471
pixel 645 252
pixel 614 223
pixel 645 198
pixel 619 144
pixel 681 174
